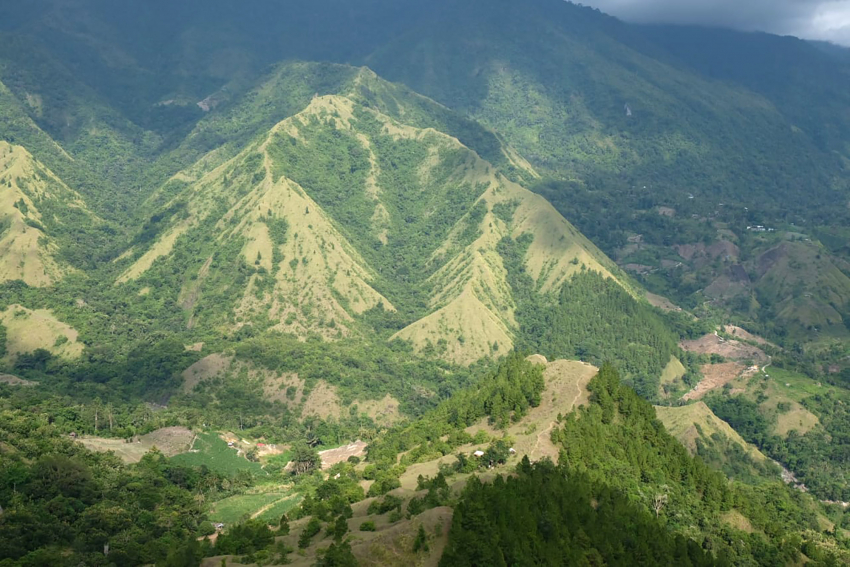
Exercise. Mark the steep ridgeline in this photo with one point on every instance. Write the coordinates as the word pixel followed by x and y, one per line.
pixel 37 210
pixel 342 215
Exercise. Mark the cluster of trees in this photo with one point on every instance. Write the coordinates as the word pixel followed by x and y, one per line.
pixel 63 505
pixel 617 441
pixel 819 458
pixel 591 318
pixel 502 395
pixel 361 372
pixel 548 515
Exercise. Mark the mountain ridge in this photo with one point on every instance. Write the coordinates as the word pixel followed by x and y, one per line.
pixel 460 273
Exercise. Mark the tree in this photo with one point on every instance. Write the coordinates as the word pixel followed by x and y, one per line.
pixel 421 542
pixel 304 458
pixel 338 555
pixel 340 528
pixel 313 527
pixel 284 525
pixel 658 503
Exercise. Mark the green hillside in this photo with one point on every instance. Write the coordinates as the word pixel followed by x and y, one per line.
pixel 371 256
pixel 344 215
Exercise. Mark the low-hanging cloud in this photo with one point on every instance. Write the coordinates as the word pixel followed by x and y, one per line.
pixel 811 19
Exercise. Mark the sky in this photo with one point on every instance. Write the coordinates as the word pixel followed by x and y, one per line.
pixel 810 19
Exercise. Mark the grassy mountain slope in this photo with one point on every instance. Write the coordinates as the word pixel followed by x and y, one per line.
pixel 342 208
pixel 716 442
pixel 703 127
pixel 38 213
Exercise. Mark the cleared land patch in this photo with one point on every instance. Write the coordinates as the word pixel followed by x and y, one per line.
pixel 716 376
pixel 745 335
pixel 322 401
pixel 661 302
pixel 208 367
pixel 694 421
pixel 341 454
pixel 783 390
pixel 672 373
pixel 15 381
pixel 267 506
pixel 566 389
pixel 169 440
pixel 727 348
pixel 384 412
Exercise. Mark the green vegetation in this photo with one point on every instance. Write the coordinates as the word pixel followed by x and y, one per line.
pixel 211 452
pixel 360 373
pixel 279 510
pixel 549 516
pixel 62 503
pixel 502 395
pixel 592 318
pixel 145 147
pixel 816 458
pixel 617 441
pixel 270 506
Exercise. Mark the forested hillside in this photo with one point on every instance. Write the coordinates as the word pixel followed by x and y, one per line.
pixel 338 277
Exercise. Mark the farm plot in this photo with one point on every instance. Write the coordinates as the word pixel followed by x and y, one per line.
pixel 267 506
pixel 211 451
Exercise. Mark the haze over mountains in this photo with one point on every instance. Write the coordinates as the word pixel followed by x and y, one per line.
pixel 302 224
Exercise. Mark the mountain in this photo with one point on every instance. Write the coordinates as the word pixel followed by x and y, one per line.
pixel 296 299
pixel 39 212
pixel 342 209
pixel 620 121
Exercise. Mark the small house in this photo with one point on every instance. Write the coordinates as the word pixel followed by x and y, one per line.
pixel 512 451
pixel 478 454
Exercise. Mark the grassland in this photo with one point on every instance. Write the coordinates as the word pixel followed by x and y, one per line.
pixel 211 451
pixel 688 423
pixel 779 394
pixel 28 330
pixel 672 374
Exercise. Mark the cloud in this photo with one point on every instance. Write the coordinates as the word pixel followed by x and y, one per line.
pixel 809 19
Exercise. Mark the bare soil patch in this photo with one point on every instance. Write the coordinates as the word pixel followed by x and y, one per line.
pixel 727 348
pixel 275 387
pixel 661 302
pixel 169 440
pixel 745 335
pixel 566 389
pixel 15 381
pixel 384 411
pixel 322 401
pixel 716 376
pixel 341 454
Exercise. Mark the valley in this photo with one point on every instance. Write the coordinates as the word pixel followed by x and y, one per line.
pixel 419 283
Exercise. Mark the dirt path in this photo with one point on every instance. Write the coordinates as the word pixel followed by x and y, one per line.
pixel 268 507
pixel 552 424
pixel 539 437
